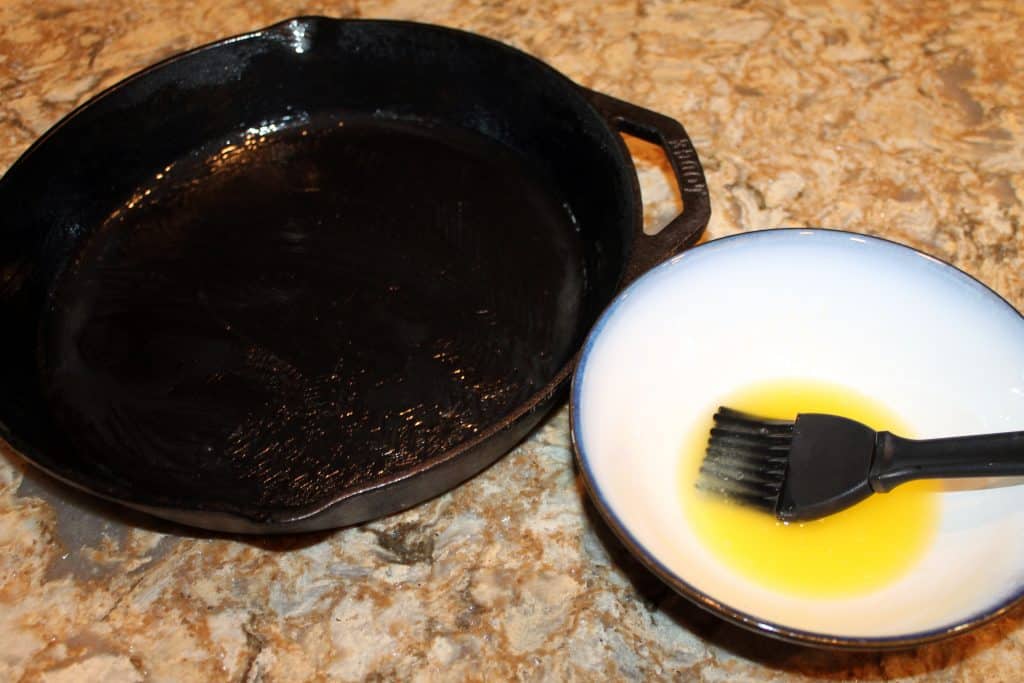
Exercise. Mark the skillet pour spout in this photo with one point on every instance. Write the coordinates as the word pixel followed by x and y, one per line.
pixel 318 273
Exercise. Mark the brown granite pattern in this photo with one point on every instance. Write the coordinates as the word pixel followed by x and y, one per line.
pixel 898 119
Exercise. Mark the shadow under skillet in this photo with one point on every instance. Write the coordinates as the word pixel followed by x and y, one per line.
pixel 784 656
pixel 84 521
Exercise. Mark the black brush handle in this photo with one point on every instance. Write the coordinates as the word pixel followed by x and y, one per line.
pixel 898 460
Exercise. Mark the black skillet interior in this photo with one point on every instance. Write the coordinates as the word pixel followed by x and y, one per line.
pixel 308 276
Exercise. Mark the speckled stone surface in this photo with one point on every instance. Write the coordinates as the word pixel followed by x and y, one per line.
pixel 898 119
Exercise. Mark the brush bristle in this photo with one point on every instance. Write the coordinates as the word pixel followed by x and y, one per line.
pixel 746 459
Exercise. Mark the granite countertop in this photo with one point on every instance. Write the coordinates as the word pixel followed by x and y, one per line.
pixel 898 119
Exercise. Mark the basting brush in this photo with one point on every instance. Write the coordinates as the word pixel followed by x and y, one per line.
pixel 819 464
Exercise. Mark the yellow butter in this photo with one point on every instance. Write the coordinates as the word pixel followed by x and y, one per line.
pixel 852 552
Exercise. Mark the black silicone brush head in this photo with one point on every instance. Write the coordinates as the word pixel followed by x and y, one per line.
pixel 798 471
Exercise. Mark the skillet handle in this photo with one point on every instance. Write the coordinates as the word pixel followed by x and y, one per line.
pixel 686 228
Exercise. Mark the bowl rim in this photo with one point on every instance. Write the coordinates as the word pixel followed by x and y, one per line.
pixel 732 614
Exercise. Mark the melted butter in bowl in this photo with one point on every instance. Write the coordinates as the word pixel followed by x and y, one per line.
pixel 856 551
pixel 780 321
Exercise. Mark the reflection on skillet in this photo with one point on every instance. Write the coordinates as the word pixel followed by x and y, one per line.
pixel 282 314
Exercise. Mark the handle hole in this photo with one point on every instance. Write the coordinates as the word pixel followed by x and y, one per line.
pixel 658 189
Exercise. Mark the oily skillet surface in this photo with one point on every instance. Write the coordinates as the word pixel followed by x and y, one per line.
pixel 315 274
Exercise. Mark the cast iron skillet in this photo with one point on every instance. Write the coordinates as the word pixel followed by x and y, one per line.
pixel 315 274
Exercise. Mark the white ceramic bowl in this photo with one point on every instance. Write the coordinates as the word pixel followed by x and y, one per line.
pixel 935 346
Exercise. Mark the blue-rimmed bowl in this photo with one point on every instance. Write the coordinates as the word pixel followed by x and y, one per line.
pixel 932 344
